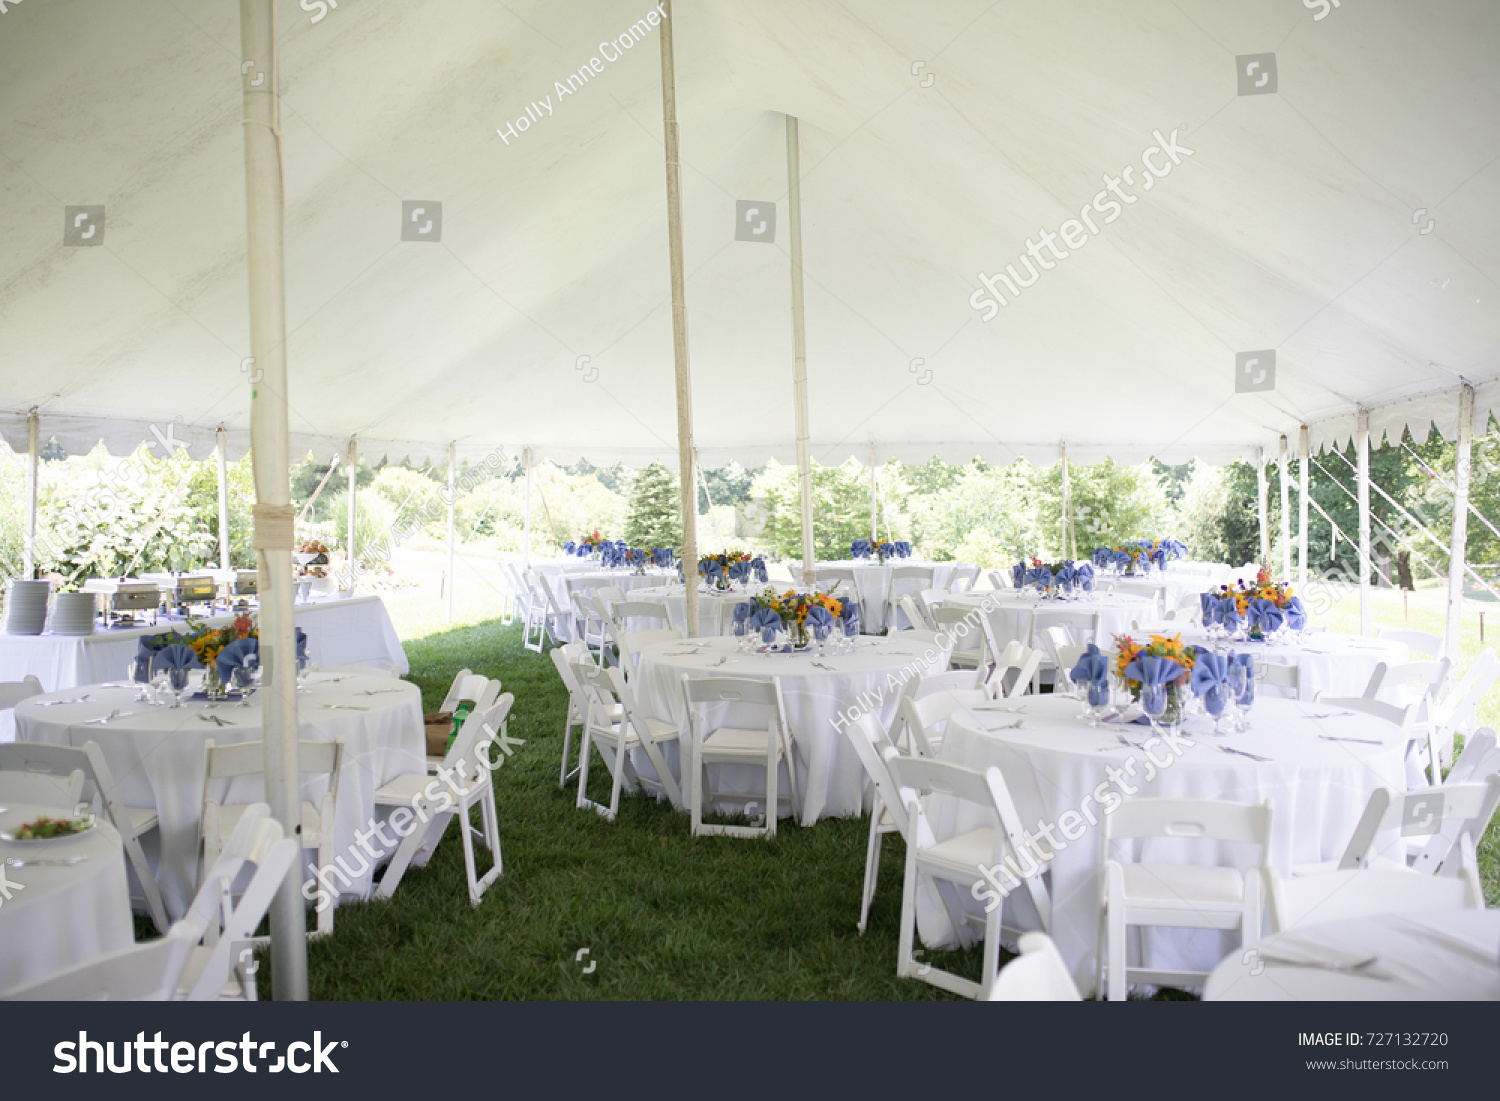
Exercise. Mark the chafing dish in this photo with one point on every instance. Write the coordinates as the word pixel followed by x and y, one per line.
pixel 122 596
pixel 183 589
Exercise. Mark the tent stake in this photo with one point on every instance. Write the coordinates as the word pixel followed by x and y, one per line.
pixel 687 484
pixel 799 347
pixel 1362 480
pixel 1458 546
pixel 275 520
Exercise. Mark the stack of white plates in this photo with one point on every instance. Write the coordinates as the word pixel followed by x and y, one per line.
pixel 26 607
pixel 73 614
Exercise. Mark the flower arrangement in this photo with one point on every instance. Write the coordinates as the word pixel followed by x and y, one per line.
pixel 1135 553
pixel 724 559
pixel 793 606
pixel 591 542
pixel 1159 646
pixel 204 641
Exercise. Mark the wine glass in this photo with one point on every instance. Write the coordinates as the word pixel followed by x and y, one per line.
pixel 304 665
pixel 137 673
pixel 1242 693
pixel 159 687
pixel 1153 703
pixel 178 679
pixel 243 678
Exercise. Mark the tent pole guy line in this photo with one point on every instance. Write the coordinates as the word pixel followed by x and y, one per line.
pixel 275 521
pixel 687 484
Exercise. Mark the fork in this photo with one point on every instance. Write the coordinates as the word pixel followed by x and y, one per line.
pixel 1242 753
pixel 115 714
pixel 343 707
pixel 62 862
pixel 1361 741
pixel 210 718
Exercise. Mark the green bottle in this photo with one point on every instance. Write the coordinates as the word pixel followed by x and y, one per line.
pixel 460 713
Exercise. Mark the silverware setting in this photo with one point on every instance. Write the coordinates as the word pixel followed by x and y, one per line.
pixel 343 707
pixel 1361 741
pixel 211 718
pixel 378 691
pixel 1243 753
pixel 1332 715
pixel 63 862
pixel 58 703
pixel 1357 967
pixel 115 714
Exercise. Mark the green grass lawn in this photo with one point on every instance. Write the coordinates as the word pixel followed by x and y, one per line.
pixel 661 914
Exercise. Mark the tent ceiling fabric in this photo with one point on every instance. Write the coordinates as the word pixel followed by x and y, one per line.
pixel 542 316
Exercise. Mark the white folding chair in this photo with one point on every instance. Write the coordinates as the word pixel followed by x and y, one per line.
pixel 905 580
pixel 1475 761
pixel 564 658
pixel 1066 657
pixel 962 579
pixel 633 642
pixel 468 768
pixel 176 966
pixel 1189 608
pixel 1037 975
pixel 1403 717
pixel 780 574
pixel 958 863
pixel 927 703
pixel 721 744
pixel 1315 899
pixel 534 609
pixel 456 689
pixel 961 625
pixel 1410 681
pixel 1274 674
pixel 1154 591
pixel 1440 814
pixel 98 786
pixel 587 622
pixel 997 579
pixel 916 618
pixel 1191 896
pixel 13 692
pixel 476 689
pixel 1081 627
pixel 1453 713
pixel 1416 642
pixel 223 764
pixel 887 811
pixel 614 726
pixel 57 792
pixel 1019 659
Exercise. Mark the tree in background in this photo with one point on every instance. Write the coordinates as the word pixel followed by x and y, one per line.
pixel 841 509
pixel 1111 503
pixel 1200 514
pixel 654 516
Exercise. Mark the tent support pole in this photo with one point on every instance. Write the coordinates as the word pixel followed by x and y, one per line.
pixel 526 545
pixel 1067 506
pixel 452 492
pixel 687 483
pixel 353 506
pixel 275 519
pixel 1285 526
pixel 874 498
pixel 33 477
pixel 1362 480
pixel 1458 545
pixel 799 347
pixel 223 498
pixel 1260 503
pixel 1304 461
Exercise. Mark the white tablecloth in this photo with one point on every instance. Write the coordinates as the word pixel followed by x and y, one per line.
pixel 829 774
pixel 715 609
pixel 1055 764
pixel 339 632
pixel 1447 956
pixel 1011 613
pixel 56 917
pixel 1335 665
pixel 874 583
pixel 156 756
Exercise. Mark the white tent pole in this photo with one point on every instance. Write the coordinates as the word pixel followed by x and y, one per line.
pixel 799 347
pixel 1362 484
pixel 452 493
pixel 275 519
pixel 874 498
pixel 353 507
pixel 1286 511
pixel 223 498
pixel 526 545
pixel 33 476
pixel 687 484
pixel 1067 504
pixel 1304 461
pixel 1458 547
pixel 1260 503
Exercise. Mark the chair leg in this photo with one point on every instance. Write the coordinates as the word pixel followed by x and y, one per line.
pixel 700 781
pixel 562 778
pixel 149 887
pixel 1118 976
pixel 585 752
pixel 905 965
pixel 872 865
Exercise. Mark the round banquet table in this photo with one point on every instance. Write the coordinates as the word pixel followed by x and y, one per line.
pixel 830 777
pixel 56 917
pixel 1059 773
pixel 1448 955
pixel 1334 665
pixel 156 756
pixel 715 608
pixel 624 577
pixel 1011 613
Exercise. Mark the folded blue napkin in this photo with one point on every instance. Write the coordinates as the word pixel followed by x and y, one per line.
pixel 569 547
pixel 819 621
pixel 301 644
pixel 1176 548
pixel 741 616
pixel 1065 576
pixel 176 656
pixel 711 570
pixel 1083 577
pixel 234 655
pixel 1018 574
pixel 1210 679
pixel 860 548
pixel 1248 661
pixel 1041 577
pixel 662 556
pixel 1101 556
pixel 766 622
pixel 1092 672
pixel 1228 614
pixel 739 571
pixel 1153 671
pixel 850 616
pixel 1159 556
pixel 1119 558
pixel 758 564
pixel 1265 615
pixel 903 548
pixel 1209 602
pixel 1296 614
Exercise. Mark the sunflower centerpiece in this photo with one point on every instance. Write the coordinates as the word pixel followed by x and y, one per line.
pixel 1156 673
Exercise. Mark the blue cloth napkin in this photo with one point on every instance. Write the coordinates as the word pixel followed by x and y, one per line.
pixel 711 570
pixel 1210 679
pixel 1248 661
pixel 1159 556
pixel 903 548
pixel 758 564
pixel 741 616
pixel 1296 614
pixel 819 621
pixel 662 556
pixel 766 622
pixel 850 616
pixel 1018 574
pixel 1265 615
pixel 1209 602
pixel 1228 614
pixel 569 547
pixel 1041 577
pixel 301 644
pixel 1083 577
pixel 1153 671
pixel 740 571
pixel 234 655
pixel 1065 576
pixel 1119 558
pixel 1101 556
pixel 860 548
pixel 176 656
pixel 1092 668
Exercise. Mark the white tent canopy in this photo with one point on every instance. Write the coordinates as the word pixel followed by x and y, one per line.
pixel 543 316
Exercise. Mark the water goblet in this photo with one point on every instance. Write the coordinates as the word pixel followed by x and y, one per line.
pixel 243 678
pixel 1153 703
pixel 178 680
